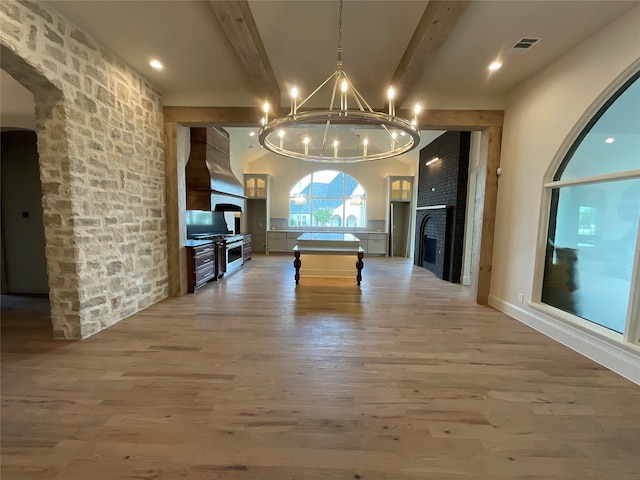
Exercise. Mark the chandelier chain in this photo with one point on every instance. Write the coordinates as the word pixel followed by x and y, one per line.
pixel 340 37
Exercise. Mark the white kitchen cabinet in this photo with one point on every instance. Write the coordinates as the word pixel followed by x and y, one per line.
pixel 276 242
pixel 377 244
pixel 256 185
pixel 400 189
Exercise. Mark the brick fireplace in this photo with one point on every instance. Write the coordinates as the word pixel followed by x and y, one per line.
pixel 442 200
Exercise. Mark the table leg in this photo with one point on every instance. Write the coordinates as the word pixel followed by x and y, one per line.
pixel 296 264
pixel 359 267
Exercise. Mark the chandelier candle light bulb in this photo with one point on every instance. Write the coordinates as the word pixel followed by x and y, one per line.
pixel 390 95
pixel 294 100
pixel 365 142
pixel 343 95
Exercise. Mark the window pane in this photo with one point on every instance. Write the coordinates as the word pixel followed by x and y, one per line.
pixel 328 183
pixel 590 249
pixel 325 199
pixel 612 143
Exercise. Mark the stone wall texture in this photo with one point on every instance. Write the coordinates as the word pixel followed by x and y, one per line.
pixel 99 127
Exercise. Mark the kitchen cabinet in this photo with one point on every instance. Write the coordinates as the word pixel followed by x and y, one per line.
pixel 377 244
pixel 256 185
pixel 400 196
pixel 276 242
pixel 257 209
pixel 400 189
pixel 201 264
pixel 247 248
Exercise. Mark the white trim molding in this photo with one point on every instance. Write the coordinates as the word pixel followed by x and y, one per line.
pixel 622 358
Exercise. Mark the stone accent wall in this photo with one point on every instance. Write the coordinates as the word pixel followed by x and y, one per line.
pixel 444 183
pixel 99 127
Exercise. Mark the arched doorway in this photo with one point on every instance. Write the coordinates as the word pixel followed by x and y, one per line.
pixel 53 165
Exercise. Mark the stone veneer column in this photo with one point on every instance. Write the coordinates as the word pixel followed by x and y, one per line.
pixel 99 127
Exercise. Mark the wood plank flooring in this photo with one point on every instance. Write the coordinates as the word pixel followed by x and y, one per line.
pixel 254 379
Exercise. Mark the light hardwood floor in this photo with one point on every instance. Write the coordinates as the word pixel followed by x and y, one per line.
pixel 254 379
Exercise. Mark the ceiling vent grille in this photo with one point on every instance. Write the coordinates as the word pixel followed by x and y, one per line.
pixel 524 45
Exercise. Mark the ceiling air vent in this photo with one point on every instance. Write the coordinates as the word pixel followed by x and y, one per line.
pixel 524 44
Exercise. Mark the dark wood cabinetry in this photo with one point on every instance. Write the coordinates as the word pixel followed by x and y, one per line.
pixel 221 258
pixel 202 265
pixel 247 248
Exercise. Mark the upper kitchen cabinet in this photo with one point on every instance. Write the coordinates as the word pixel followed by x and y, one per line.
pixel 256 185
pixel 256 218
pixel 400 189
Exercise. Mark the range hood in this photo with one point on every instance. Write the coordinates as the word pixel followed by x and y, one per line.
pixel 211 185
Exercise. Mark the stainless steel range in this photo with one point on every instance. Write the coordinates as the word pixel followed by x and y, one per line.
pixel 234 245
pixel 233 248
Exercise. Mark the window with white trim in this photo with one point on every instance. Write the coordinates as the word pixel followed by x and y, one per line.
pixel 592 235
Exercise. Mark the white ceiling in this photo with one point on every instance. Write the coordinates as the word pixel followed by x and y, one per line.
pixel 300 38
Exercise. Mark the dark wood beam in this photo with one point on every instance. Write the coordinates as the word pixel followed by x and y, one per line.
pixel 437 22
pixel 235 21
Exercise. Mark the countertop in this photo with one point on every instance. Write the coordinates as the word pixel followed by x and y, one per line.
pixel 352 231
pixel 324 236
pixel 197 243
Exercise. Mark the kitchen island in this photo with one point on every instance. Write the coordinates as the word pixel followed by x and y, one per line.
pixel 328 255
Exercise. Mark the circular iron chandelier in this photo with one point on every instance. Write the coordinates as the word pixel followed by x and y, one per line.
pixel 338 134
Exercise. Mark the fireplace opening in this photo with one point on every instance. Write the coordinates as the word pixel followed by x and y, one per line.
pixel 430 248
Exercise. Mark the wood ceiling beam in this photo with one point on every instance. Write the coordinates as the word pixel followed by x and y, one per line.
pixel 235 22
pixel 435 26
pixel 250 117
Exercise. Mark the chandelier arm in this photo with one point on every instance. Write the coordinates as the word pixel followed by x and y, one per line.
pixel 384 127
pixel 360 107
pixel 357 94
pixel 333 92
pixel 316 90
pixel 324 137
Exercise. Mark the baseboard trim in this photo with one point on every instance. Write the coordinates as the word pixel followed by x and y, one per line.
pixel 623 360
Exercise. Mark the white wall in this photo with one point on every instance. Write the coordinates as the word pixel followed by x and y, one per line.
pixel 17 109
pixel 286 172
pixel 539 116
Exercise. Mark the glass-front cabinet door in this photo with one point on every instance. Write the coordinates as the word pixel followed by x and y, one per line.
pixel 255 185
pixel 400 189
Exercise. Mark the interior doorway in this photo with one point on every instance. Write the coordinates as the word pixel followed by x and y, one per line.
pixel 24 285
pixel 24 264
pixel 399 234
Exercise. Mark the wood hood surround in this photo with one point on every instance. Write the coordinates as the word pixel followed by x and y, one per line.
pixel 211 185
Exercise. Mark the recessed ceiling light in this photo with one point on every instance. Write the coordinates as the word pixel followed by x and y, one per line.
pixel 156 64
pixel 495 66
pixel 252 134
pixel 610 140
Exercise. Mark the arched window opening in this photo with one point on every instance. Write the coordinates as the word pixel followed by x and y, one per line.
pixel 593 220
pixel 325 198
